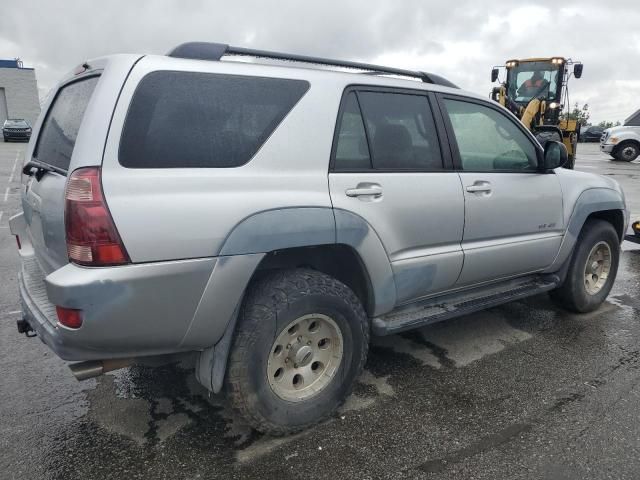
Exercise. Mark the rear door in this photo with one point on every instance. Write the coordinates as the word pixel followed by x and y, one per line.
pixel 391 167
pixel 513 210
pixel 43 194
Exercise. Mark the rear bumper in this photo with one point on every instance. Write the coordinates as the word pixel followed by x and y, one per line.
pixel 131 311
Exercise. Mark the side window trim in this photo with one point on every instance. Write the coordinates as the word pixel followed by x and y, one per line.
pixel 455 152
pixel 441 131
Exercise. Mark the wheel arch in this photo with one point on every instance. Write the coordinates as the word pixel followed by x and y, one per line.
pixel 603 203
pixel 623 142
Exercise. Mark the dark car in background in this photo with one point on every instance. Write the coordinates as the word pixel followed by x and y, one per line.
pixel 591 134
pixel 16 129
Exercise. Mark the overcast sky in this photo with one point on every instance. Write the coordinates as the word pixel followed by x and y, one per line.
pixel 459 39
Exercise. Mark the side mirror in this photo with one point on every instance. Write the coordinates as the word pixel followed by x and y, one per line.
pixel 577 70
pixel 555 155
pixel 494 75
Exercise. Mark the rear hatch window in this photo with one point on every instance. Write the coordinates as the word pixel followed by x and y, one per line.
pixel 203 120
pixel 60 128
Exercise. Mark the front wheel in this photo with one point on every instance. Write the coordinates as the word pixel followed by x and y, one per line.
pixel 301 342
pixel 627 152
pixel 592 270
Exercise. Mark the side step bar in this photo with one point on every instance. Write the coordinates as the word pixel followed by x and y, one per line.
pixel 461 303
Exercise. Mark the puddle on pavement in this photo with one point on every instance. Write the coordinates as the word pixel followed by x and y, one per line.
pixel 151 407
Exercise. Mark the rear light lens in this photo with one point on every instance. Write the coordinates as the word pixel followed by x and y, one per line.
pixel 69 317
pixel 92 237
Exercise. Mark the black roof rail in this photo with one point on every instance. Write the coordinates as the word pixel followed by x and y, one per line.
pixel 215 51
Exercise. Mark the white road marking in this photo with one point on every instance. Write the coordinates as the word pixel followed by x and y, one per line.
pixel 1 214
pixel 13 170
pixel 6 194
pixel 14 312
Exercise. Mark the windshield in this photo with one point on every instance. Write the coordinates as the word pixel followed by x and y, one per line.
pixel 533 80
pixel 15 123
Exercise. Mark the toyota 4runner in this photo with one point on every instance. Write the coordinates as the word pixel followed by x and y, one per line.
pixel 267 218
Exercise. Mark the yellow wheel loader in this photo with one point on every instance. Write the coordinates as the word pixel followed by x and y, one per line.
pixel 535 90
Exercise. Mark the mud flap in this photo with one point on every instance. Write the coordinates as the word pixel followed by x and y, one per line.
pixel 211 364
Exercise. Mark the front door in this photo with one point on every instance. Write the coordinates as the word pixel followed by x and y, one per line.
pixel 513 210
pixel 389 169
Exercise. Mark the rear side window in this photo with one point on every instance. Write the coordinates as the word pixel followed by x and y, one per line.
pixel 60 128
pixel 203 120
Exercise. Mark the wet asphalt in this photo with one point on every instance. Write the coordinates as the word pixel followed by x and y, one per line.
pixel 524 390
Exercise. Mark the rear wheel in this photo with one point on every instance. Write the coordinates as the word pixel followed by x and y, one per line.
pixel 592 270
pixel 627 152
pixel 301 342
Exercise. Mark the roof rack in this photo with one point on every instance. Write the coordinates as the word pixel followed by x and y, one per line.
pixel 215 51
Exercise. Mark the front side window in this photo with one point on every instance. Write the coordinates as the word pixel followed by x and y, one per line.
pixel 488 140
pixel 203 120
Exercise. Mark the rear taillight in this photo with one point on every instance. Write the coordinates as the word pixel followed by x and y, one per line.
pixel 69 317
pixel 92 238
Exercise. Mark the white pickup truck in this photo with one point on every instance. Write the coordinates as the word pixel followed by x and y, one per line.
pixel 623 142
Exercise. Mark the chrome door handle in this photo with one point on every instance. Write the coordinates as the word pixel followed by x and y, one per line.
pixel 360 191
pixel 479 187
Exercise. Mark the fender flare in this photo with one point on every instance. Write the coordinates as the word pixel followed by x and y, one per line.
pixel 590 201
pixel 241 253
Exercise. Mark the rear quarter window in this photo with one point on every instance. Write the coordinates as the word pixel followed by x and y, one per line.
pixel 203 120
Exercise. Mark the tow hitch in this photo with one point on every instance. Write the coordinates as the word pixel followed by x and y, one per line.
pixel 24 327
pixel 635 238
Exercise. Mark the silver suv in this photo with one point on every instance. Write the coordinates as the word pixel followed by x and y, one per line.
pixel 268 218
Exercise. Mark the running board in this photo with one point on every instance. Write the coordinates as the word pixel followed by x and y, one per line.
pixel 461 303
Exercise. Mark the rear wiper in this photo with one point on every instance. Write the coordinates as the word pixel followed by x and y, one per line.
pixel 33 166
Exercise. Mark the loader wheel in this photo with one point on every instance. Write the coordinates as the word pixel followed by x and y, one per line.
pixel 571 162
pixel 627 152
pixel 301 342
pixel 592 270
pixel 544 136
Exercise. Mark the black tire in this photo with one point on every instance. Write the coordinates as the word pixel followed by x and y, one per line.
pixel 627 152
pixel 571 162
pixel 6 140
pixel 271 304
pixel 572 294
pixel 543 136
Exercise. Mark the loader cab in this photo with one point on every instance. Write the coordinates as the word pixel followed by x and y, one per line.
pixel 541 79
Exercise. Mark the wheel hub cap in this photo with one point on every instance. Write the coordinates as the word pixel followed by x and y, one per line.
pixel 596 271
pixel 305 357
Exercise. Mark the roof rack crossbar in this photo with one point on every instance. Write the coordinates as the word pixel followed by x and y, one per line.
pixel 215 51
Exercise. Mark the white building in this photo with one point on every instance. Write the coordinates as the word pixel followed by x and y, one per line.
pixel 18 92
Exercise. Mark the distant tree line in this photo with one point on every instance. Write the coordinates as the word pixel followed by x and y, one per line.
pixel 582 114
